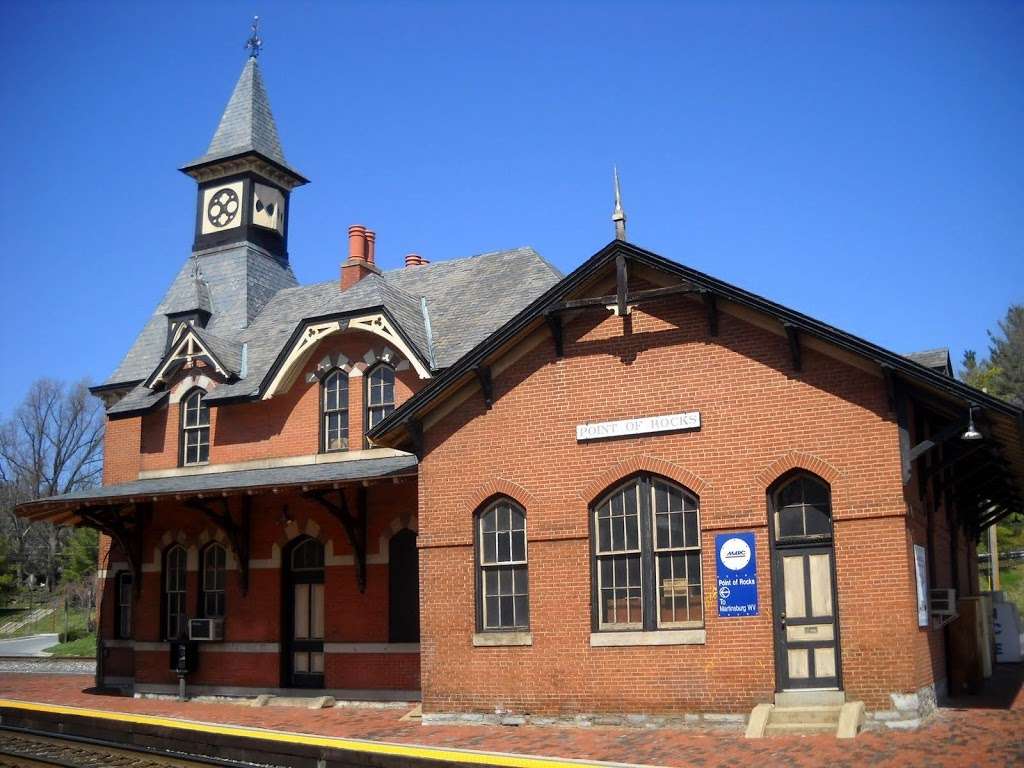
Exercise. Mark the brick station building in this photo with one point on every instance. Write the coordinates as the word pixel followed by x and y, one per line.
pixel 498 488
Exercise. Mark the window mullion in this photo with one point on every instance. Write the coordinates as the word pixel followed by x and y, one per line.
pixel 647 575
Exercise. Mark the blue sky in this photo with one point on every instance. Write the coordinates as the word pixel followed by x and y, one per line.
pixel 857 161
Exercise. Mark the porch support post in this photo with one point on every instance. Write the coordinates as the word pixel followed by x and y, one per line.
pixel 711 304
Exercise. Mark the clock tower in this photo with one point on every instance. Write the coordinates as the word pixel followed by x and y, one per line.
pixel 244 181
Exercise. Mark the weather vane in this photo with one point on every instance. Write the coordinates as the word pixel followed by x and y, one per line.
pixel 254 43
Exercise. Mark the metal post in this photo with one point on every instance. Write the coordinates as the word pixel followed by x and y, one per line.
pixel 993 556
pixel 181 688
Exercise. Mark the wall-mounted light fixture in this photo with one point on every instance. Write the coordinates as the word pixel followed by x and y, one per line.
pixel 971 433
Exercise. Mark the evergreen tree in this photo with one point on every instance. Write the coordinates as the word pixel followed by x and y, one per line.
pixel 1002 373
pixel 80 555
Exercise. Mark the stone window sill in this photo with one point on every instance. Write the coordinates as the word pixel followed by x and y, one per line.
pixel 497 639
pixel 658 637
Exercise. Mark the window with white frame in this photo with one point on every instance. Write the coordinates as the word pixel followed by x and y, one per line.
pixel 214 581
pixel 380 394
pixel 502 581
pixel 647 571
pixel 174 592
pixel 195 428
pixel 335 410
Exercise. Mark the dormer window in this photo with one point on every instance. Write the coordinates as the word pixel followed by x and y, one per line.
pixel 380 394
pixel 335 411
pixel 195 428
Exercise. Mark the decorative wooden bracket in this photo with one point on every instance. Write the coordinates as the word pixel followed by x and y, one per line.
pixel 126 532
pixel 415 429
pixel 354 525
pixel 898 404
pixel 793 334
pixel 239 534
pixel 555 326
pixel 711 303
pixel 483 373
pixel 948 433
pixel 621 285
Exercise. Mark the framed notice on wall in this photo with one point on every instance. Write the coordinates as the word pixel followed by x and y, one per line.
pixel 921 568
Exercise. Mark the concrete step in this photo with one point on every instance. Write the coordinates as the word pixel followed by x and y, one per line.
pixel 790 729
pixel 812 715
pixel 810 699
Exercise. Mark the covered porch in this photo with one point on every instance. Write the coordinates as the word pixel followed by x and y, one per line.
pixel 304 578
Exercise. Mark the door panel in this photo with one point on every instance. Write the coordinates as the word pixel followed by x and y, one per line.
pixel 805 627
pixel 303 656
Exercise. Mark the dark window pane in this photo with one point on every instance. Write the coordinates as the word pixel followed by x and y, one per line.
pixel 518 545
pixel 490 548
pixel 522 611
pixel 692 537
pixel 604 534
pixel 490 582
pixel 519 581
pixel 507 607
pixel 662 538
pixel 491 612
pixel 489 519
pixel 815 493
pixel 504 548
pixel 505 581
pixel 817 521
pixel 634 570
pixel 504 517
pixel 791 522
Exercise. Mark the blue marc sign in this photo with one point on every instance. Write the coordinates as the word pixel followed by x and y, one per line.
pixel 737 574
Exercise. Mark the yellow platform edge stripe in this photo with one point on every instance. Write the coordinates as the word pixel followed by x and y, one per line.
pixel 454 755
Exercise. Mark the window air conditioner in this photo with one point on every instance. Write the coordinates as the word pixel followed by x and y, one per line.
pixel 206 629
pixel 942 605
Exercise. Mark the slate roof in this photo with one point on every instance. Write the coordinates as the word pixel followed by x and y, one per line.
pixel 936 359
pixel 466 299
pixel 307 474
pixel 241 279
pixel 247 124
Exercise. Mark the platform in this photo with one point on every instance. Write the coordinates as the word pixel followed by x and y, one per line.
pixel 376 735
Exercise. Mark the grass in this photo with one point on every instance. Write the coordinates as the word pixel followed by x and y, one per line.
pixel 77 620
pixel 83 646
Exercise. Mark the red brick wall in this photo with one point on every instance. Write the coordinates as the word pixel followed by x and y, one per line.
pixel 759 420
pixel 255 617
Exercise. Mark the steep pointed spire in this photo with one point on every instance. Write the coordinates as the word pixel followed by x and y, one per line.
pixel 618 215
pixel 247 125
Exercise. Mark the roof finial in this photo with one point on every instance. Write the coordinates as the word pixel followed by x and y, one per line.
pixel 618 215
pixel 255 42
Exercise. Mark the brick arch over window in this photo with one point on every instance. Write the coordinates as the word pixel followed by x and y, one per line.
pixel 499 486
pixel 768 476
pixel 304 525
pixel 680 475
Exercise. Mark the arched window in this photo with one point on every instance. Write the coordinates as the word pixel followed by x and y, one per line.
pixel 647 532
pixel 174 592
pixel 503 601
pixel 802 510
pixel 195 428
pixel 334 402
pixel 380 394
pixel 214 578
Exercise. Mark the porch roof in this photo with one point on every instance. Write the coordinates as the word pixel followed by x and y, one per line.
pixel 66 508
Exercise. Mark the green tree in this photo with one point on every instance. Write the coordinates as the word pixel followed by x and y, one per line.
pixel 1002 373
pixel 7 579
pixel 80 555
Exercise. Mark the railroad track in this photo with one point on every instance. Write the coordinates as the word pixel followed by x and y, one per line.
pixel 20 748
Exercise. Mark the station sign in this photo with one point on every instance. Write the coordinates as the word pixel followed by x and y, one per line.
pixel 737 574
pixel 641 425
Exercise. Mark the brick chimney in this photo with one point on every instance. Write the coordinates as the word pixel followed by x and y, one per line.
pixel 415 260
pixel 359 264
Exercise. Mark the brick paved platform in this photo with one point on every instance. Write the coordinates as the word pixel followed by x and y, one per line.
pixel 985 731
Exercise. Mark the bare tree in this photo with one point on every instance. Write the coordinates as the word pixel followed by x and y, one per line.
pixel 51 445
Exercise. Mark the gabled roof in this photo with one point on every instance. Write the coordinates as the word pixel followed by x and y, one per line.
pixel 936 359
pixel 247 125
pixel 239 280
pixel 391 430
pixel 192 343
pixel 441 309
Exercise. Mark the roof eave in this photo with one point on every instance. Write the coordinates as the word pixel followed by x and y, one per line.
pixel 802 322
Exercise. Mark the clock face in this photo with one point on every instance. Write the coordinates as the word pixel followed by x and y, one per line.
pixel 223 207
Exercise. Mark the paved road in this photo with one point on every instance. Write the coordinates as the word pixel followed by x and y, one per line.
pixel 27 646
